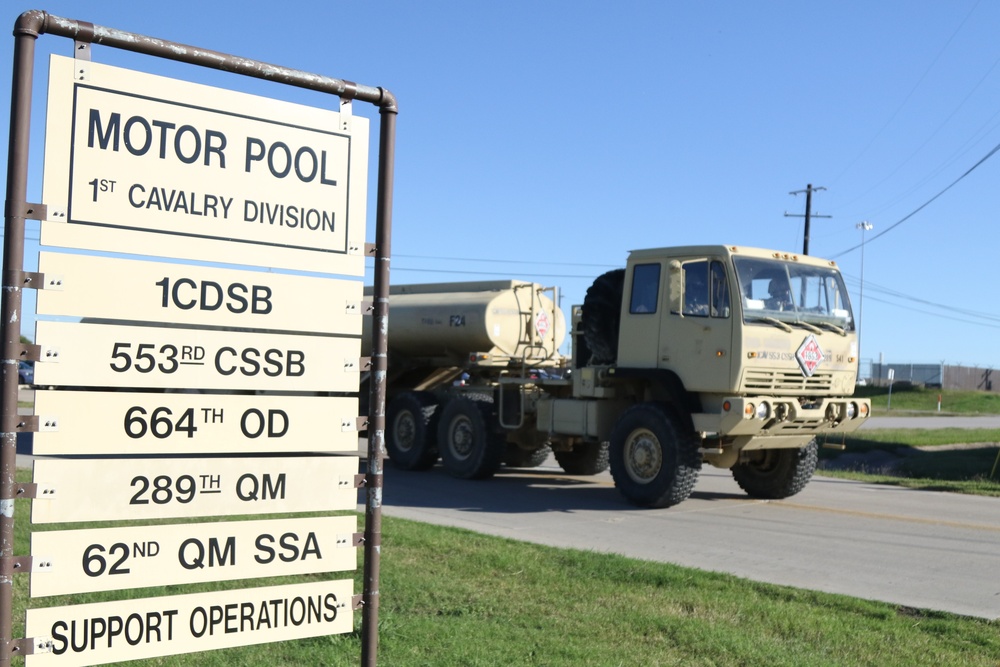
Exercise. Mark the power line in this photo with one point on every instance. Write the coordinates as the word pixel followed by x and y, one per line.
pixel 924 205
pixel 906 99
pixel 504 261
pixel 492 273
pixel 951 318
pixel 942 306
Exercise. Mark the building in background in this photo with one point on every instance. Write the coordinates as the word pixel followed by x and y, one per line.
pixel 939 376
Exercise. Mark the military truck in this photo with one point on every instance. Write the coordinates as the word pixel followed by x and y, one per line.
pixel 738 357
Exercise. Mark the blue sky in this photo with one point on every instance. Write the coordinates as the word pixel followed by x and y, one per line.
pixel 543 141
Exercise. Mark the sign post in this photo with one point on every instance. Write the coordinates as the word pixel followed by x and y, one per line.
pixel 156 167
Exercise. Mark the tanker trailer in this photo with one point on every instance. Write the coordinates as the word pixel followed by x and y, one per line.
pixel 456 352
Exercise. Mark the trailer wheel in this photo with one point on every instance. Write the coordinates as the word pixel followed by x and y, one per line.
pixel 517 457
pixel 411 421
pixel 470 447
pixel 587 458
pixel 601 316
pixel 654 456
pixel 777 473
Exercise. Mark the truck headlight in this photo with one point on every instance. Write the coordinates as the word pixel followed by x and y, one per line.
pixel 852 410
pixel 763 410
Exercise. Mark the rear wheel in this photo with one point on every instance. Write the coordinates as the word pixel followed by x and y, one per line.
pixel 470 447
pixel 410 429
pixel 777 473
pixel 654 456
pixel 587 458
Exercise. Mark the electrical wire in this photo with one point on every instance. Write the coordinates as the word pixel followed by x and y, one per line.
pixel 906 99
pixel 951 318
pixel 922 206
pixel 880 289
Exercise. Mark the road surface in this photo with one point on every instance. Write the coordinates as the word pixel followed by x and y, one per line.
pixel 918 549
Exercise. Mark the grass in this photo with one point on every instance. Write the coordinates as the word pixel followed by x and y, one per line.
pixel 920 400
pixel 450 597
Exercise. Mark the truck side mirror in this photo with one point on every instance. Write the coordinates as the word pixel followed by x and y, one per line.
pixel 676 287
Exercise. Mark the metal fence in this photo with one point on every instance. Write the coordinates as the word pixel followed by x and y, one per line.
pixel 943 376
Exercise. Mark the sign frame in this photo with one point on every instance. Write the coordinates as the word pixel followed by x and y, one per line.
pixel 28 28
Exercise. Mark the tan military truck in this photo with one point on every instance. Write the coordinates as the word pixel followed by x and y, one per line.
pixel 739 357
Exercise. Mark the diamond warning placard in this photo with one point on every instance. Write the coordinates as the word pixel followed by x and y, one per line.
pixel 809 355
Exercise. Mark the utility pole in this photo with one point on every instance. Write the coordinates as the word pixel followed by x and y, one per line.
pixel 809 191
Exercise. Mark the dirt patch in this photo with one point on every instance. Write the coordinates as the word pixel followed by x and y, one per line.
pixel 873 462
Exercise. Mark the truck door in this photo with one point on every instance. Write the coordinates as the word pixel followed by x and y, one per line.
pixel 696 338
pixel 638 340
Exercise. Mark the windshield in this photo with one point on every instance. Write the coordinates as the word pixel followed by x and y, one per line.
pixel 793 292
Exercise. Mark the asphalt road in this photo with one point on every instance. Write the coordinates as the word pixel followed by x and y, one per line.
pixel 913 548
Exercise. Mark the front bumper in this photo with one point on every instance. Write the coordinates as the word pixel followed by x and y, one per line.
pixel 783 416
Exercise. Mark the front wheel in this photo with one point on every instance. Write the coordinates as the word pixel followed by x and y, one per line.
pixel 654 456
pixel 469 445
pixel 773 474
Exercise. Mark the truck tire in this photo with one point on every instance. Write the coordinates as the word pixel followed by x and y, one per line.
pixel 777 473
pixel 469 445
pixel 587 458
pixel 654 456
pixel 518 457
pixel 601 316
pixel 411 425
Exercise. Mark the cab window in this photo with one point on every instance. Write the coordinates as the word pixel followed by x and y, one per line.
pixel 719 291
pixel 706 290
pixel 645 288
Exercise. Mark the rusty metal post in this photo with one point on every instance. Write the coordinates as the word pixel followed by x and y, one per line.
pixel 13 264
pixel 377 387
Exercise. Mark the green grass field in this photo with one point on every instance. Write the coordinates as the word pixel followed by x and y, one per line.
pixel 920 400
pixel 450 597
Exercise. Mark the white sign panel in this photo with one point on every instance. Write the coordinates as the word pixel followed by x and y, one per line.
pixel 129 290
pixel 95 634
pixel 74 490
pixel 98 355
pixel 150 165
pixel 133 423
pixel 110 559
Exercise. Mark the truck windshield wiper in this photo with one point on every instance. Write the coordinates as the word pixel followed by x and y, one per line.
pixel 771 320
pixel 809 326
pixel 832 327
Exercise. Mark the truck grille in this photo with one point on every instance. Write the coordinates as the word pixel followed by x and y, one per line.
pixel 779 381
